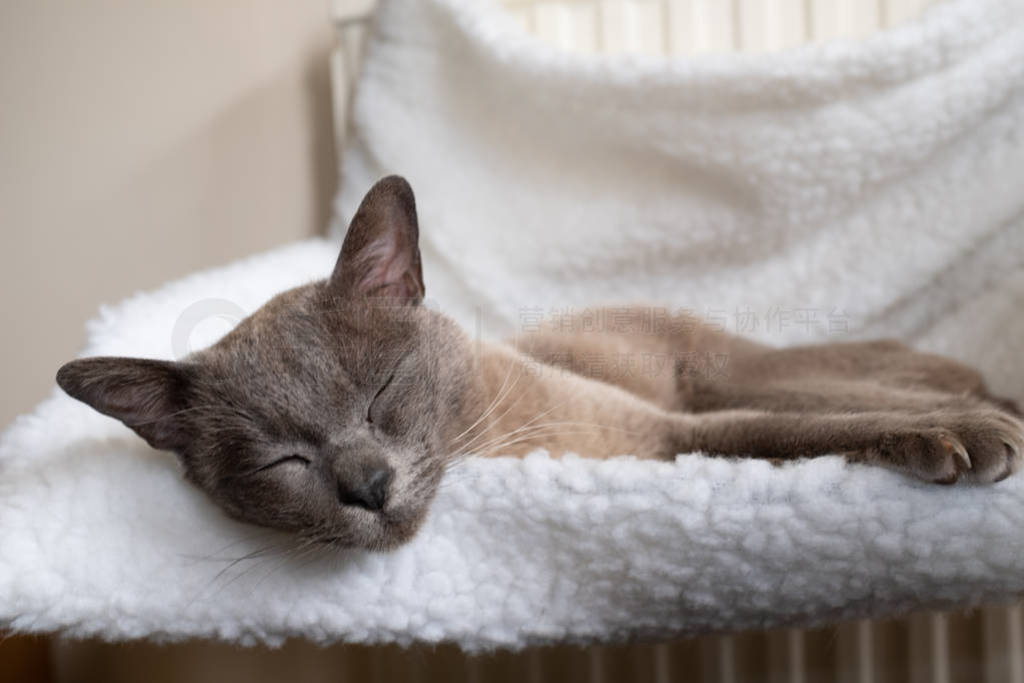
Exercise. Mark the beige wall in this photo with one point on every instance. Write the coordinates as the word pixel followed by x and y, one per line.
pixel 141 140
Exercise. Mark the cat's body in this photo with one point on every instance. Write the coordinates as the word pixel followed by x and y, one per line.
pixel 620 390
pixel 333 411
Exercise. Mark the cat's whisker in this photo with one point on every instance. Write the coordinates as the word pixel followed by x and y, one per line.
pixel 319 551
pixel 310 548
pixel 499 396
pixel 212 556
pixel 258 554
pixel 297 549
pixel 482 447
pixel 470 445
pixel 548 429
pixel 496 449
pixel 496 419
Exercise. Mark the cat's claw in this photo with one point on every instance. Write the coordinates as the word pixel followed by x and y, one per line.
pixel 960 452
pixel 980 446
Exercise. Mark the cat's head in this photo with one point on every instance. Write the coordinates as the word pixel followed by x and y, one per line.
pixel 327 412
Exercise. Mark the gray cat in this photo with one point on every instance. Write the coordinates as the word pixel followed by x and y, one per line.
pixel 333 411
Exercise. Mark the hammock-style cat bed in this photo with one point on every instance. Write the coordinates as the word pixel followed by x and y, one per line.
pixel 855 188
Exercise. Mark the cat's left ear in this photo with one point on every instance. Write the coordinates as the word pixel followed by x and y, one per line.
pixel 381 255
pixel 146 395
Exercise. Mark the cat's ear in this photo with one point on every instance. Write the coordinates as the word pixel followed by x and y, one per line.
pixel 146 395
pixel 381 254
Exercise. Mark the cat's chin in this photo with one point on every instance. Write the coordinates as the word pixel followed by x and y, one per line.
pixel 385 531
pixel 395 528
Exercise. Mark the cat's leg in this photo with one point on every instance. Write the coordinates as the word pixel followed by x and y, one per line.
pixel 820 395
pixel 984 445
pixel 683 364
pixel 888 361
pixel 856 377
pixel 877 402
pixel 636 348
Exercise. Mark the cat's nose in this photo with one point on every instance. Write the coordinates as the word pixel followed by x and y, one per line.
pixel 370 491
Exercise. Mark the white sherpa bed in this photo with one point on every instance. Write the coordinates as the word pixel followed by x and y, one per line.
pixel 858 188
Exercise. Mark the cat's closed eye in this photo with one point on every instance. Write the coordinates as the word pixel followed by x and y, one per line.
pixel 292 459
pixel 370 409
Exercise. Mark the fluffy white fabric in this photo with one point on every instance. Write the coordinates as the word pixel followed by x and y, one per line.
pixel 873 187
pixel 102 536
pixel 876 183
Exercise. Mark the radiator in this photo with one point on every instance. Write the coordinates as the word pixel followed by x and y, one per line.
pixel 976 646
pixel 696 26
pixel 980 645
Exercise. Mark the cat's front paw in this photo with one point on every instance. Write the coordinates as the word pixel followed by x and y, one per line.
pixel 981 446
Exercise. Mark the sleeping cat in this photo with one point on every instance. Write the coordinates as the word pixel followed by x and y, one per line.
pixel 334 409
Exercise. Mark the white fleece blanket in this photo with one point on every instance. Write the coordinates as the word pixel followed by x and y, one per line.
pixel 100 535
pixel 876 184
pixel 870 187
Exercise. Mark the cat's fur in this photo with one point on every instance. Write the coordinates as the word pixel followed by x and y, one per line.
pixel 334 409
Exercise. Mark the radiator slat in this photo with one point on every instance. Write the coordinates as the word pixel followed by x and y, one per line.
pixel 701 26
pixel 662 664
pixel 594 660
pixel 727 659
pixel 796 668
pixel 1015 643
pixel 865 652
pixel 939 648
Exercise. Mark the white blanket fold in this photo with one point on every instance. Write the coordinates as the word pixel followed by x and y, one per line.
pixel 860 188
pixel 873 187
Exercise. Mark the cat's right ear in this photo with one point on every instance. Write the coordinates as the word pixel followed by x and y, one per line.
pixel 381 255
pixel 146 395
